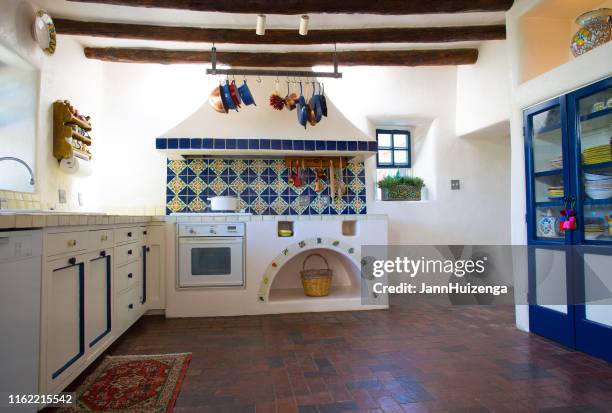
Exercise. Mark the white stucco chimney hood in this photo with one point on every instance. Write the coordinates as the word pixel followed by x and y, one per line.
pixel 262 131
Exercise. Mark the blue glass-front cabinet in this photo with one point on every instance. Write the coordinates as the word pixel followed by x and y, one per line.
pixel 568 153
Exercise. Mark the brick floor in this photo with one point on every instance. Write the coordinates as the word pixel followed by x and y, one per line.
pixel 408 359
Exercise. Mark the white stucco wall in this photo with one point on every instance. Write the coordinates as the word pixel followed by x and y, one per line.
pixel 483 90
pixel 65 75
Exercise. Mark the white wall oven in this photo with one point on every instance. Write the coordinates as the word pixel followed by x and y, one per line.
pixel 211 255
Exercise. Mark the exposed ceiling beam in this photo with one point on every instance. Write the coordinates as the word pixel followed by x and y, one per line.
pixel 275 36
pixel 390 7
pixel 438 57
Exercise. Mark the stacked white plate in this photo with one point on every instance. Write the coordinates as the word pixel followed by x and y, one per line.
pixel 598 186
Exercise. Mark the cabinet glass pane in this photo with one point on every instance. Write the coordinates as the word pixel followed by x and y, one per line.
pixel 595 127
pixel 550 273
pixel 547 140
pixel 548 186
pixel 598 288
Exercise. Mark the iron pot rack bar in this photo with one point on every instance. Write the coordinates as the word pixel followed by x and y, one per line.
pixel 273 73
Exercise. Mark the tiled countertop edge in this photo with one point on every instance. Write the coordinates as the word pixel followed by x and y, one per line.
pixel 25 221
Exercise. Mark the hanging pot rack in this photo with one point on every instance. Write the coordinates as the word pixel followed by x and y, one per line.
pixel 273 73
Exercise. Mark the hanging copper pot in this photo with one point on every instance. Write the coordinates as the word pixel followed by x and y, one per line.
pixel 216 100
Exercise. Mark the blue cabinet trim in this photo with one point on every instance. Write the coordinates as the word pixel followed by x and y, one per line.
pixel 81 319
pixel 108 302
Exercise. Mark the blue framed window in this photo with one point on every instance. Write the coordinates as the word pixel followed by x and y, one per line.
pixel 393 148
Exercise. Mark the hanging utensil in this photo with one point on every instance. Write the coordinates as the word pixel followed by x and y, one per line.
pixel 290 180
pixel 332 179
pixel 312 114
pixel 323 101
pixel 297 180
pixel 276 101
pixel 291 98
pixel 342 184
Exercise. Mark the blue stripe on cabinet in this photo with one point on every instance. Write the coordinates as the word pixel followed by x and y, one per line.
pixel 255 144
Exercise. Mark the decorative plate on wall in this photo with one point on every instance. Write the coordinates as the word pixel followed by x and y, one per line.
pixel 44 32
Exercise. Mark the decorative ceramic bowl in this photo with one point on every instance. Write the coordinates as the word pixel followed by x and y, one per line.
pixel 44 32
pixel 595 31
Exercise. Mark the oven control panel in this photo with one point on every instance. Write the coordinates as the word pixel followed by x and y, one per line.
pixel 211 230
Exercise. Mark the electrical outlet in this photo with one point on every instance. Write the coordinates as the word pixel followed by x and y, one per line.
pixel 455 184
pixel 61 195
pixel 80 198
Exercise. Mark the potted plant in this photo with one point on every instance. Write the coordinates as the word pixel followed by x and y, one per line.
pixel 401 188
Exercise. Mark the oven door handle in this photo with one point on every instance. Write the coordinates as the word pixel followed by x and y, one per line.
pixel 210 240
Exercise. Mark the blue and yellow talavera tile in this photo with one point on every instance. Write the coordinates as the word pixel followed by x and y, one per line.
pixel 262 187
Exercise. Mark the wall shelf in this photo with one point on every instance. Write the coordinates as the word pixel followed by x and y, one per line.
pixel 69 131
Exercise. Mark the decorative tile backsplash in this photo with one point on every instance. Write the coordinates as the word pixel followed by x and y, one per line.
pixel 261 186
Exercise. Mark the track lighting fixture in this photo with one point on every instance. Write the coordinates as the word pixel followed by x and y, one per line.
pixel 261 25
pixel 304 25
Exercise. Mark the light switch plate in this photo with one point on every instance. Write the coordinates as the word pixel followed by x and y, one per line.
pixel 61 195
pixel 80 199
pixel 455 184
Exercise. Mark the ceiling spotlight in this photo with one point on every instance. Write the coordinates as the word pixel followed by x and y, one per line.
pixel 304 25
pixel 261 25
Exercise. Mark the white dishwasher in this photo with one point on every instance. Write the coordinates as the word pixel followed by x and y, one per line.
pixel 20 294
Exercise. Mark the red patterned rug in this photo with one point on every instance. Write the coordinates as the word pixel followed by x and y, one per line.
pixel 131 384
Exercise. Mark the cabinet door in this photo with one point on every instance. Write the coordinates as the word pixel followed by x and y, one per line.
pixel 590 111
pixel 64 308
pixel 98 299
pixel 155 262
pixel 547 171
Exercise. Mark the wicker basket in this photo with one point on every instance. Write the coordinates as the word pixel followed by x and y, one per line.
pixel 316 282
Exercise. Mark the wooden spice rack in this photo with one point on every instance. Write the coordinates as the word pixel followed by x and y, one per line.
pixel 68 137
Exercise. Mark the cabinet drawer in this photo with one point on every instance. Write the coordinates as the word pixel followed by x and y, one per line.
pixel 127 309
pixel 123 235
pixel 127 253
pixel 101 240
pixel 67 242
pixel 127 275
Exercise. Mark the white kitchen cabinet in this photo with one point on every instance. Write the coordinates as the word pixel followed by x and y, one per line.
pixel 63 320
pixel 94 287
pixel 155 290
pixel 98 302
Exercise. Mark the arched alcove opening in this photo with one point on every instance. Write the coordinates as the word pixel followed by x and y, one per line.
pixel 287 284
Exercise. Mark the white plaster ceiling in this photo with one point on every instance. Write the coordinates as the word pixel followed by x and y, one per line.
pixel 109 13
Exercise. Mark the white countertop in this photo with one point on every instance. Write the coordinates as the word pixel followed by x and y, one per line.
pixel 41 219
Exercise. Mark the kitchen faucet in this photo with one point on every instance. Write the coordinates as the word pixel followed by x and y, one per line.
pixel 11 158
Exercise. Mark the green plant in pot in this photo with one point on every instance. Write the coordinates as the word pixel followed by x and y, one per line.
pixel 401 188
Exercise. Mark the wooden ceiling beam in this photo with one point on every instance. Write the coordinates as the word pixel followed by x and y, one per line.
pixel 438 57
pixel 276 36
pixel 388 7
